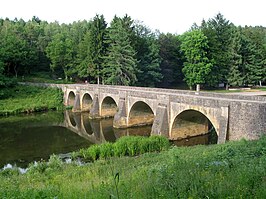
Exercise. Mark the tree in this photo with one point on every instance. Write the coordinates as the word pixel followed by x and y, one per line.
pixel 14 51
pixel 218 31
pixel 147 48
pixel 197 66
pixel 254 39
pixel 92 49
pixel 60 52
pixel 120 63
pixel 172 60
pixel 253 62
pixel 235 75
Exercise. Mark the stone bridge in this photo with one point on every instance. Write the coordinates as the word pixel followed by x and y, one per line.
pixel 172 113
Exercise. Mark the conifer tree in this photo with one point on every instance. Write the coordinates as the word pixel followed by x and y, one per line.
pixel 120 62
pixel 218 31
pixel 235 76
pixel 92 49
pixel 252 62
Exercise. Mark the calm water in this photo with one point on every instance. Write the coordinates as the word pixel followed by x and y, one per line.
pixel 28 138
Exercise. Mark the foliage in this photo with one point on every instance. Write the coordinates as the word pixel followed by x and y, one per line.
pixel 197 66
pixel 129 53
pixel 172 60
pixel 61 53
pixel 120 63
pixel 92 49
pixel 235 77
pixel 147 49
pixel 218 30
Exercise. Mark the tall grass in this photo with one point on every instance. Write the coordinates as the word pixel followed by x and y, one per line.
pixel 125 146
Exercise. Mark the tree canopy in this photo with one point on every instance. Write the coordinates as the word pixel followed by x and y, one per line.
pixel 127 52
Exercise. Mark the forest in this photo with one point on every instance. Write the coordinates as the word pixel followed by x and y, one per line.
pixel 127 52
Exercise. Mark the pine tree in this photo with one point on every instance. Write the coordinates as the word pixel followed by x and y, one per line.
pixel 253 61
pixel 218 31
pixel 235 77
pixel 92 49
pixel 120 63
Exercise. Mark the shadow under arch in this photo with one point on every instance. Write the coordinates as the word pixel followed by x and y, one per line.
pixel 86 102
pixel 71 98
pixel 140 114
pixel 191 123
pixel 108 107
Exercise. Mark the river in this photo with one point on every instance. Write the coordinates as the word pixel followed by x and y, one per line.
pixel 34 137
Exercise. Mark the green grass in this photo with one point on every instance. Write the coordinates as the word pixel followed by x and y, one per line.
pixel 27 99
pixel 262 88
pixel 231 170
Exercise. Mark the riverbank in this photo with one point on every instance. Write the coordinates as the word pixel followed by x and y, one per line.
pixel 27 99
pixel 231 170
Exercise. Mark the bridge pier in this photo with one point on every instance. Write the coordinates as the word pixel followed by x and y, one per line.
pixel 161 123
pixel 120 118
pixel 95 109
pixel 223 125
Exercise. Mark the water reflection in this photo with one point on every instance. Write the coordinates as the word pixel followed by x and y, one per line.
pixel 28 138
pixel 205 139
pixel 99 130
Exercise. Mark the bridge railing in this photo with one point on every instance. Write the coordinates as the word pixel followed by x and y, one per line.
pixel 151 90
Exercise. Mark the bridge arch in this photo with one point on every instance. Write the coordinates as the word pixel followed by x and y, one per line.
pixel 140 114
pixel 71 98
pixel 86 102
pixel 191 122
pixel 108 107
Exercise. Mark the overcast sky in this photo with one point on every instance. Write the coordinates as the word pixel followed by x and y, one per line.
pixel 172 16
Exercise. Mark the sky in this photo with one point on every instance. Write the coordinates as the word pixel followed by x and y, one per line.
pixel 173 16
